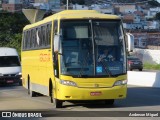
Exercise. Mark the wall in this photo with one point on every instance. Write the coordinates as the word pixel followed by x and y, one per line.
pixel 148 79
pixel 125 7
pixel 148 56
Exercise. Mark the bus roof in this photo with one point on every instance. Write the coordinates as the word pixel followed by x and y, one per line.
pixel 75 14
pixel 6 51
pixel 81 14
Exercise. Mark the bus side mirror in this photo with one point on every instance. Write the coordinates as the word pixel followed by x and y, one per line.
pixel 130 42
pixel 57 44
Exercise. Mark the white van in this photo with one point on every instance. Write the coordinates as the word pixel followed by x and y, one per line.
pixel 10 68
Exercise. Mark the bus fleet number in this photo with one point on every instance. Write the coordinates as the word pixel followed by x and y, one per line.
pixel 44 57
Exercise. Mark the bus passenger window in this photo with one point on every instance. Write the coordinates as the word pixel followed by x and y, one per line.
pixel 49 34
pixel 40 36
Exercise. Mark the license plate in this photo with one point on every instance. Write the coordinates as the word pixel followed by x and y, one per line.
pixel 95 93
pixel 9 81
pixel 136 63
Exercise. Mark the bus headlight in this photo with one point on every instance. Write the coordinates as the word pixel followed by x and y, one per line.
pixel 69 83
pixel 120 82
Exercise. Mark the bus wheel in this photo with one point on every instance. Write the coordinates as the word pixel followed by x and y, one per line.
pixel 109 102
pixel 51 91
pixel 32 93
pixel 58 103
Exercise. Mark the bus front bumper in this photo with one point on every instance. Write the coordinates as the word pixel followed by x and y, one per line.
pixel 75 93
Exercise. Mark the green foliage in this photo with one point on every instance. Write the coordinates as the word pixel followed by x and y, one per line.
pixel 11 26
pixel 15 42
pixel 151 66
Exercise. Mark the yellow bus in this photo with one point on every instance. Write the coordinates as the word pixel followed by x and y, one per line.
pixel 75 55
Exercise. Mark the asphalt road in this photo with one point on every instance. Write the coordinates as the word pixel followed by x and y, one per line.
pixel 15 98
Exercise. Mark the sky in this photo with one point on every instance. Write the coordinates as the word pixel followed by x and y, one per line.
pixel 158 1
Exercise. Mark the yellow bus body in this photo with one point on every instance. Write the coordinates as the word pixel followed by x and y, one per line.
pixel 38 71
pixel 87 85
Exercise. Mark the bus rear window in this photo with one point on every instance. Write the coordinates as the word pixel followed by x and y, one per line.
pixel 9 61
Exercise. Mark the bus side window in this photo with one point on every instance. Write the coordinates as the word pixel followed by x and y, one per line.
pixel 45 35
pixel 48 35
pixel 28 40
pixel 37 38
pixel 55 27
pixel 24 40
pixel 40 36
pixel 33 39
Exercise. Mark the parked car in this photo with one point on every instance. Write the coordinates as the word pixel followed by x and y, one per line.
pixel 10 68
pixel 134 63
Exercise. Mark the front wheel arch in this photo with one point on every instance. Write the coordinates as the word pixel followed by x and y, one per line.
pixel 57 103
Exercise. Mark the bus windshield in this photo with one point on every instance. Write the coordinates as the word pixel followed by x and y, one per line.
pixel 92 48
pixel 9 61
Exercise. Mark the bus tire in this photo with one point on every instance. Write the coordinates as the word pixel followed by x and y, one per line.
pixel 109 102
pixel 32 93
pixel 58 103
pixel 51 90
pixel 28 83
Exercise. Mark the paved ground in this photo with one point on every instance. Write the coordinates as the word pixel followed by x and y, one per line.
pixel 15 98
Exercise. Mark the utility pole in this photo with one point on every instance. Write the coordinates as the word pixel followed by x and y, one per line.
pixel 67 4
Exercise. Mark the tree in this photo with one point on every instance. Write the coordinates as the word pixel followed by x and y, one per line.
pixel 15 42
pixel 11 26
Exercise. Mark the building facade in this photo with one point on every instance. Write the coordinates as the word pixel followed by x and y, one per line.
pixel 12 5
pixel 47 4
pixel 149 40
pixel 125 8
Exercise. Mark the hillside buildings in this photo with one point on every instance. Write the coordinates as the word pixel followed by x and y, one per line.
pixel 12 5
pixel 17 5
pixel 137 17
